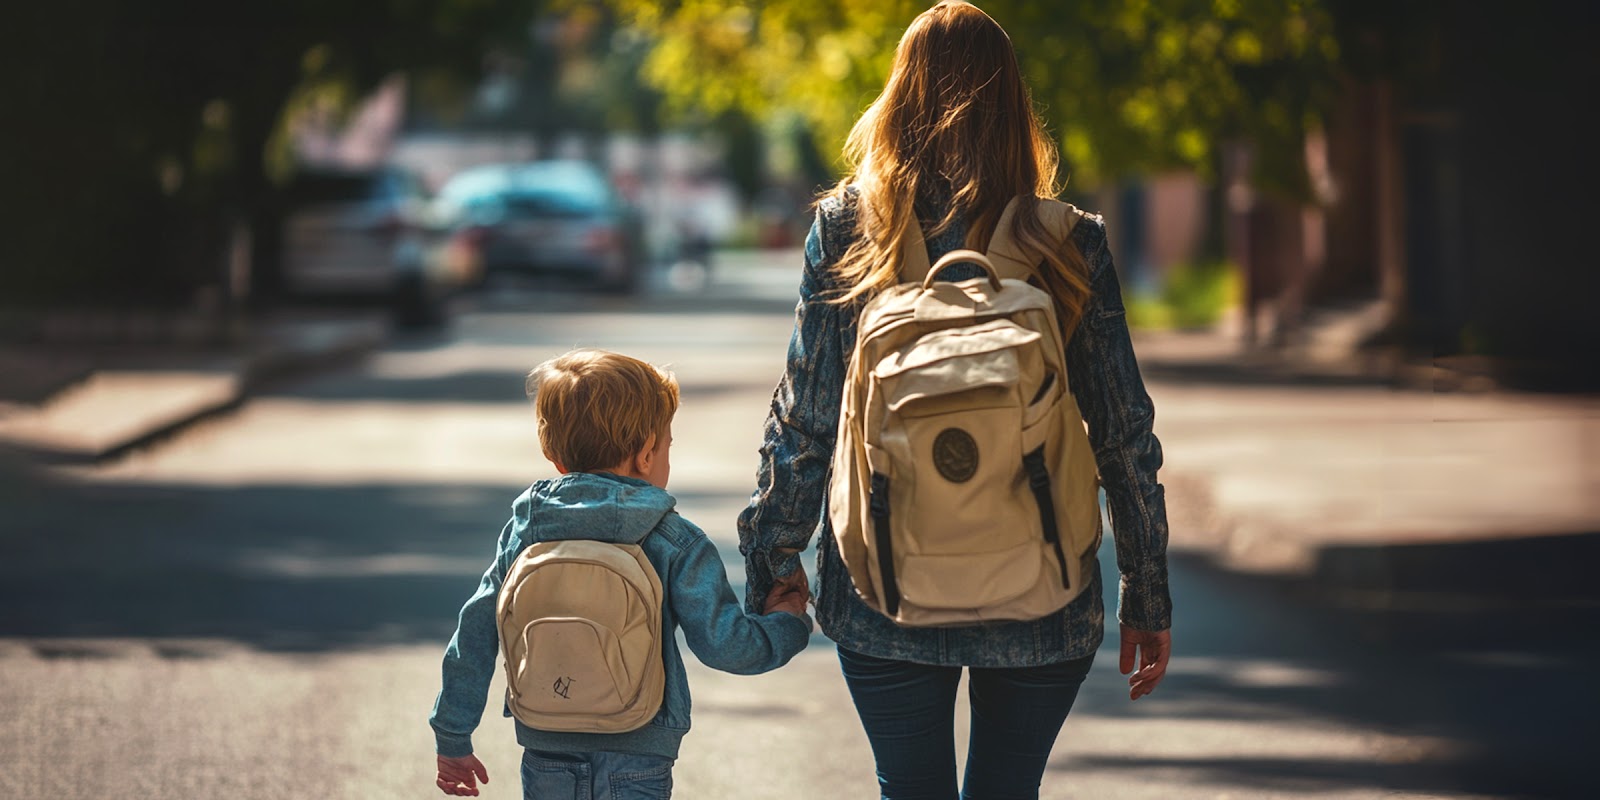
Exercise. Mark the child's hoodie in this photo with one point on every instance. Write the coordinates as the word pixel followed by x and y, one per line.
pixel 612 508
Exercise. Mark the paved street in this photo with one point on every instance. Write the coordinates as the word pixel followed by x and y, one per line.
pixel 255 608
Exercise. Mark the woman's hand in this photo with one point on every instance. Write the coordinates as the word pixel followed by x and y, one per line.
pixel 1153 648
pixel 790 594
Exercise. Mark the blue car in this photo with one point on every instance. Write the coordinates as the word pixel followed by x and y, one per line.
pixel 542 218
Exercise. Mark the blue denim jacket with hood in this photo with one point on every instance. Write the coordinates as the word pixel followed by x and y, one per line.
pixel 790 502
pixel 698 598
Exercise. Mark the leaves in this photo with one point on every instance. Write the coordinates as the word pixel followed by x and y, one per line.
pixel 1128 86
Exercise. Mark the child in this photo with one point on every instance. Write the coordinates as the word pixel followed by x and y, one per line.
pixel 605 420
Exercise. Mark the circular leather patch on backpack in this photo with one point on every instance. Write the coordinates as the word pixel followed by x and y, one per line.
pixel 955 455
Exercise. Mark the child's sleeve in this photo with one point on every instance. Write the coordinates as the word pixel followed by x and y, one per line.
pixel 717 628
pixel 469 662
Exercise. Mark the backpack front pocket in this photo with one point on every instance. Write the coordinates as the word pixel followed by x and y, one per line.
pixel 572 666
pixel 959 484
pixel 953 437
pixel 970 581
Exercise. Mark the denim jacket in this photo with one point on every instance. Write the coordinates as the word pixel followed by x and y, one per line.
pixel 698 599
pixel 790 502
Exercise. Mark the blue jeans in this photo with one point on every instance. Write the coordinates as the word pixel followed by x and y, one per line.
pixel 595 776
pixel 908 711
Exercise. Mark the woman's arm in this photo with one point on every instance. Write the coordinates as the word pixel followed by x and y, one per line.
pixel 797 450
pixel 1104 377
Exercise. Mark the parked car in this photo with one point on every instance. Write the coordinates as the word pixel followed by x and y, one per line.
pixel 542 218
pixel 360 236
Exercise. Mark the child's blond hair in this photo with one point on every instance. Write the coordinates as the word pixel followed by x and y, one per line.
pixel 598 409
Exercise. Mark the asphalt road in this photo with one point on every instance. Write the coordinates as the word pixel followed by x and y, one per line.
pixel 255 608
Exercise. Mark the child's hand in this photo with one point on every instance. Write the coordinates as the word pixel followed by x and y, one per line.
pixel 789 594
pixel 459 776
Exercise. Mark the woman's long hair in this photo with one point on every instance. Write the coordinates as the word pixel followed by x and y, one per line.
pixel 954 120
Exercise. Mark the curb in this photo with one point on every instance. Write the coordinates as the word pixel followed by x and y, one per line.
pixel 286 361
pixel 250 375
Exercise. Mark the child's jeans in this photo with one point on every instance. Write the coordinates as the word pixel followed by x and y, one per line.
pixel 595 776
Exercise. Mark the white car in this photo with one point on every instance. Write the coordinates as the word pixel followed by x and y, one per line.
pixel 359 236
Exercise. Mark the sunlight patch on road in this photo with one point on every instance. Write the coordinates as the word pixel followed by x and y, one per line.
pixel 296 441
pixel 382 565
pixel 1091 743
pixel 309 442
pixel 1255 673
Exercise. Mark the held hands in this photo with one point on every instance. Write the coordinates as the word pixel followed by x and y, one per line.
pixel 789 594
pixel 1153 649
pixel 459 776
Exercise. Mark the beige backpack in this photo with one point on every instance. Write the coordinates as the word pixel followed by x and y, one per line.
pixel 580 628
pixel 964 488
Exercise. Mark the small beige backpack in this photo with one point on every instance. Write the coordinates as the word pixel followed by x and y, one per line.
pixel 964 488
pixel 580 629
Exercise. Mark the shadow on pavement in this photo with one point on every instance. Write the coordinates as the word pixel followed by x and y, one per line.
pixel 284 567
pixel 1308 777
pixel 1550 571
pixel 1503 693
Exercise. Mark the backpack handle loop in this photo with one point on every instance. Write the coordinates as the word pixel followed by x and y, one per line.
pixel 963 256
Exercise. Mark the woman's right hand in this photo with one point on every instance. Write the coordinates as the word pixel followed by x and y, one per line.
pixel 1149 651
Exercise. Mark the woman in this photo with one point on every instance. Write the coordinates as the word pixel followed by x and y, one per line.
pixel 948 143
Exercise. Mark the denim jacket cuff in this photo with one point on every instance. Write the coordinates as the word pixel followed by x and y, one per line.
pixel 1146 604
pixel 781 564
pixel 452 745
pixel 761 568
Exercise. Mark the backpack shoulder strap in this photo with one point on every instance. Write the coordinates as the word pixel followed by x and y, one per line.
pixel 1013 260
pixel 914 266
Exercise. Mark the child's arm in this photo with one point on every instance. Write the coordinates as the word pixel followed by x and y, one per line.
pixel 716 626
pixel 469 663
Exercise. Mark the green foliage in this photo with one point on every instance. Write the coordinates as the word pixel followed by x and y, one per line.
pixel 1191 296
pixel 1147 312
pixel 1198 294
pixel 1128 85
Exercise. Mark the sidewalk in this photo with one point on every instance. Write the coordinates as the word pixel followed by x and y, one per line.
pixel 77 403
pixel 1389 495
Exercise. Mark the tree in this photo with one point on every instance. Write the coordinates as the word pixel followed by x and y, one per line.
pixel 137 132
pixel 1129 86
